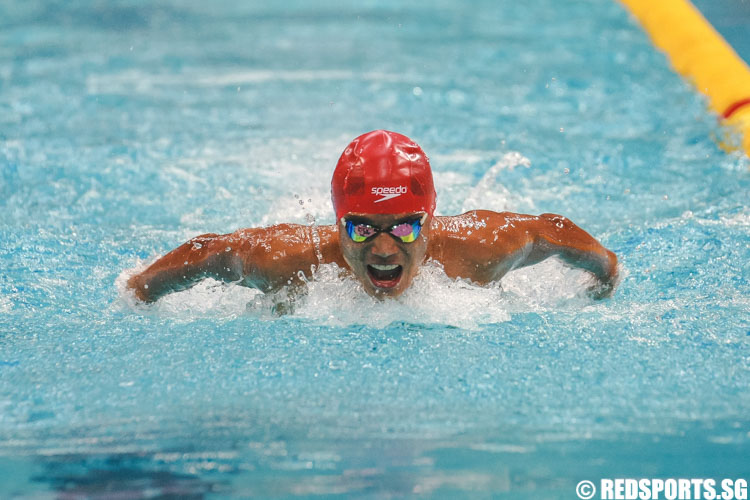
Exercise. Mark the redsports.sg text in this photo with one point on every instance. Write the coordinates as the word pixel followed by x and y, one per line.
pixel 673 489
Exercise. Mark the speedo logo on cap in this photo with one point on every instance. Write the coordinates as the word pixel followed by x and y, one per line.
pixel 388 193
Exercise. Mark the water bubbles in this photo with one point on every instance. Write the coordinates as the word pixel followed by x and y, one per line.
pixel 197 246
pixel 228 249
pixel 310 218
pixel 456 97
pixel 417 91
pixel 337 364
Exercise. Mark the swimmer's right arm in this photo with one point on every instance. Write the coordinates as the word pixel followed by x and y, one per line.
pixel 263 258
pixel 202 257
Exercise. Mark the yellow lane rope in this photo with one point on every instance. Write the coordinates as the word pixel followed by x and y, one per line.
pixel 699 53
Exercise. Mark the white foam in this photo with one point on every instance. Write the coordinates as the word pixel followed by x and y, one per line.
pixel 491 194
pixel 736 220
pixel 335 298
pixel 451 188
pixel 207 298
pixel 311 204
pixel 6 304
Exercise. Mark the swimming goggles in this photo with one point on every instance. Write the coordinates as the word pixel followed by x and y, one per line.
pixel 405 231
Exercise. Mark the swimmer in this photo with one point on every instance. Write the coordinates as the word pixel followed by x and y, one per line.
pixel 384 199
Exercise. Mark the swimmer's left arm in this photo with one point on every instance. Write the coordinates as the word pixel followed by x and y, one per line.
pixel 535 238
pixel 559 236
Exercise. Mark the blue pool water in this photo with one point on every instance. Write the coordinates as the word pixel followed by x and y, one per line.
pixel 128 127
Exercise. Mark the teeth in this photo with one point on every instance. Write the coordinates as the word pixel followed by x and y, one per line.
pixel 384 268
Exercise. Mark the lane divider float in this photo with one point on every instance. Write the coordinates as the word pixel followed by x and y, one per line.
pixel 699 53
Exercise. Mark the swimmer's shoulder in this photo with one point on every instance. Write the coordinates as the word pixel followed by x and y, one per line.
pixel 272 256
pixel 460 241
pixel 478 222
pixel 289 241
pixel 469 226
pixel 478 243
pixel 478 235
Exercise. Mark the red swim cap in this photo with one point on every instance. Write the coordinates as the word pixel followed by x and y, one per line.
pixel 382 172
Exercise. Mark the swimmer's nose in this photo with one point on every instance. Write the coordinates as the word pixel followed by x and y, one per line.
pixel 384 246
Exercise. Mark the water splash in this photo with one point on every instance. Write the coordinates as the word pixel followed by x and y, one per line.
pixel 208 298
pixel 335 298
pixel 490 192
pixel 313 203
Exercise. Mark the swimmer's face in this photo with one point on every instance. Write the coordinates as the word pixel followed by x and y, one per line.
pixel 384 263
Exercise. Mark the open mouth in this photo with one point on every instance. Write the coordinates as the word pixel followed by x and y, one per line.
pixel 384 276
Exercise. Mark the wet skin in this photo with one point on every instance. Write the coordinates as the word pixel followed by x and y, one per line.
pixel 480 245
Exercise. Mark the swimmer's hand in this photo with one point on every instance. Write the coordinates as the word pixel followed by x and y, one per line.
pixel 603 288
pixel 135 284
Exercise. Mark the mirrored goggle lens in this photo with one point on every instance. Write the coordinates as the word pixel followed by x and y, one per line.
pixel 359 232
pixel 405 231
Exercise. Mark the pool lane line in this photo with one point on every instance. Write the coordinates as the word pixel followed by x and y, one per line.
pixel 699 53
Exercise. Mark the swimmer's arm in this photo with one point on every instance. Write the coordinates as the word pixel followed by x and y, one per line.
pixel 202 257
pixel 264 258
pixel 551 235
